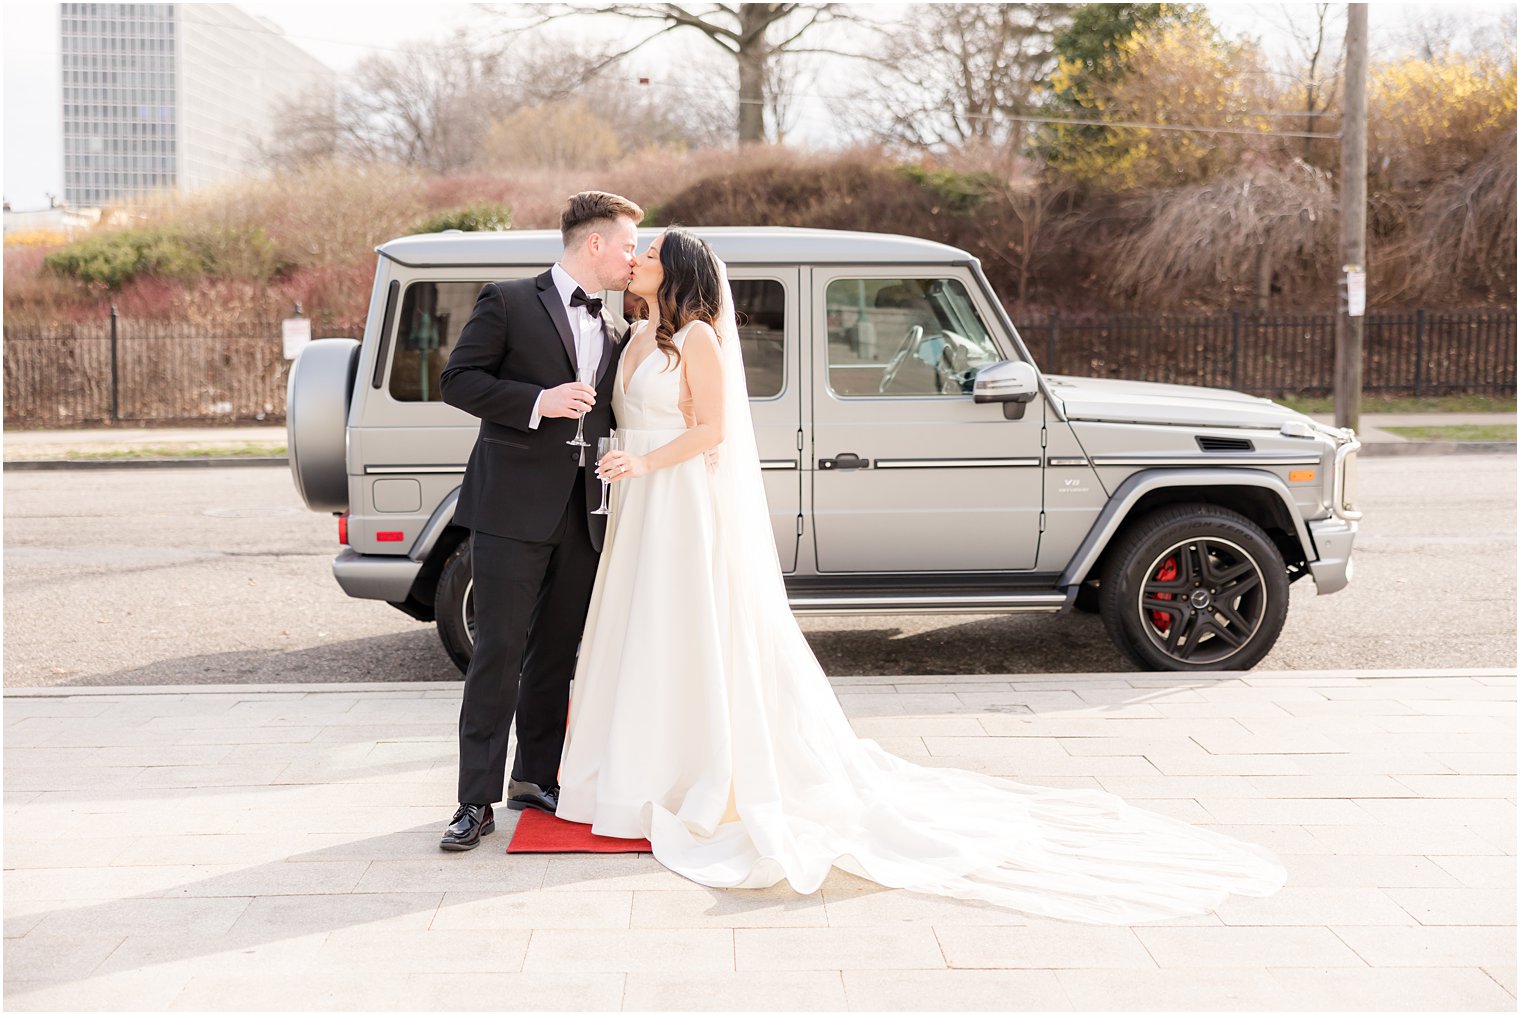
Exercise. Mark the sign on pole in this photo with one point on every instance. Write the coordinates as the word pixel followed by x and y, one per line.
pixel 296 332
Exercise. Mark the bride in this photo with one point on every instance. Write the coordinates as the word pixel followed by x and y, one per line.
pixel 700 719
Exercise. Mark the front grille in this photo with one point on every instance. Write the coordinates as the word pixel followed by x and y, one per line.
pixel 1225 444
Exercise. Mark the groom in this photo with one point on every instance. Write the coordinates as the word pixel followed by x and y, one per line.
pixel 526 497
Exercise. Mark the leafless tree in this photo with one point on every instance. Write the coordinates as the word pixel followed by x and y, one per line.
pixel 1317 54
pixel 958 74
pixel 754 35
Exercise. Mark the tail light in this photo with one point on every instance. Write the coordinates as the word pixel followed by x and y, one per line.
pixel 343 528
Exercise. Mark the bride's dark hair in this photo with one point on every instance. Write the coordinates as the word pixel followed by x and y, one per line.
pixel 690 291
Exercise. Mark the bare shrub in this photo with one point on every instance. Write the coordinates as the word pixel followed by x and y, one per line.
pixel 1266 228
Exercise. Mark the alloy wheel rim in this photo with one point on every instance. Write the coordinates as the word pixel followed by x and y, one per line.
pixel 1202 601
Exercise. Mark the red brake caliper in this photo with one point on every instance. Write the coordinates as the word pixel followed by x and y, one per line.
pixel 1166 573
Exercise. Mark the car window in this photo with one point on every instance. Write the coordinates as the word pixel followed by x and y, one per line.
pixel 431 315
pixel 760 306
pixel 904 336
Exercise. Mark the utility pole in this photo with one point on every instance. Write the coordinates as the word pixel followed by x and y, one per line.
pixel 1353 280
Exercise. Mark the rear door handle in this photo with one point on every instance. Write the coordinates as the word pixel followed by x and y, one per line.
pixel 844 462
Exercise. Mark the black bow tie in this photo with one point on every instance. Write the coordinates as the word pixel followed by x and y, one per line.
pixel 580 299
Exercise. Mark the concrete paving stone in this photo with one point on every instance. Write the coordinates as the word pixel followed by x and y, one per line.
pixel 1429 946
pixel 786 948
pixel 425 951
pixel 89 884
pixel 20 924
pixel 126 917
pixel 861 903
pixel 31 733
pixel 529 910
pixel 1044 944
pixel 515 992
pixel 1488 708
pixel 281 916
pixel 1174 990
pixel 52 958
pixel 26 777
pixel 277 878
pixel 391 731
pixel 1337 787
pixel 116 757
pixel 1296 726
pixel 20 708
pixel 1064 726
pixel 1391 840
pixel 194 776
pixel 1272 811
pixel 1000 747
pixel 777 906
pixel 322 847
pixel 1339 989
pixel 1479 871
pixel 1156 787
pixel 1446 723
pixel 1357 707
pixel 903 747
pixel 1416 811
pixel 629 951
pixel 1190 811
pixel 134 990
pixel 875 704
pixel 359 794
pixel 1467 763
pixel 1305 743
pixel 483 869
pixel 317 990
pixel 32 853
pixel 1276 692
pixel 1228 764
pixel 956 687
pixel 1250 947
pixel 1280 839
pixel 1325 871
pixel 609 872
pixel 1504 976
pixel 918 726
pixel 1037 766
pixel 1241 710
pixel 1466 907
pixel 955 990
pixel 1302 906
pixel 353 820
pixel 179 955
pixel 286 752
pixel 1099 747
pixel 1457 787
pixel 741 991
pixel 1393 763
pixel 1429 743
pixel 248 735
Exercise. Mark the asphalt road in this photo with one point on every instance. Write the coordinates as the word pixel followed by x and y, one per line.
pixel 219 575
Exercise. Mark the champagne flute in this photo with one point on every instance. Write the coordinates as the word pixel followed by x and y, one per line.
pixel 586 374
pixel 604 447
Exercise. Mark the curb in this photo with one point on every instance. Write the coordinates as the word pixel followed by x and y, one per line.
pixel 1383 449
pixel 54 464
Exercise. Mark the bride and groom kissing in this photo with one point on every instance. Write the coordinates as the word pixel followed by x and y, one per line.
pixel 700 718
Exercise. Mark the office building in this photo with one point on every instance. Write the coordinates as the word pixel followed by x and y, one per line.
pixel 177 96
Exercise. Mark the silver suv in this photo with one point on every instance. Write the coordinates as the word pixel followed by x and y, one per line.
pixel 916 461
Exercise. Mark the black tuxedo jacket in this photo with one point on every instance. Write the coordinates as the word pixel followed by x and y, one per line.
pixel 516 343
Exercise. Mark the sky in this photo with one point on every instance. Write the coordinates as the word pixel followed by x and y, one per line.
pixel 342 34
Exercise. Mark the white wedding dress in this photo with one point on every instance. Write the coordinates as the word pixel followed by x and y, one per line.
pixel 700 720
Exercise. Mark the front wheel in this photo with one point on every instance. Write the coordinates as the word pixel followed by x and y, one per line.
pixel 1194 587
pixel 454 607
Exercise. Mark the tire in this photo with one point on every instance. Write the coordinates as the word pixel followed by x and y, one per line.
pixel 317 397
pixel 454 606
pixel 1194 587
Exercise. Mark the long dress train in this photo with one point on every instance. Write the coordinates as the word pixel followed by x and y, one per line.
pixel 701 720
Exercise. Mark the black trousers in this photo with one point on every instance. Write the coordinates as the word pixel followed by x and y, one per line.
pixel 530 606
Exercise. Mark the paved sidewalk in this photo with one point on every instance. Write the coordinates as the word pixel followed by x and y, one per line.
pixel 276 847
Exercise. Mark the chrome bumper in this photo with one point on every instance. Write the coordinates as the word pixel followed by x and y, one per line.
pixel 371 577
pixel 1333 538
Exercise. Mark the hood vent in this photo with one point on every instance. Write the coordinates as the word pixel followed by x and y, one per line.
pixel 1225 444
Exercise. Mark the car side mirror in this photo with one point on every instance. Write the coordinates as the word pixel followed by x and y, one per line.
pixel 1012 382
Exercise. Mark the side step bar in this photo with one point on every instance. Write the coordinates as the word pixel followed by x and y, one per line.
pixel 840 604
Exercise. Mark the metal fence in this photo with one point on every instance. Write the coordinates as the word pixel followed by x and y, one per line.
pixel 149 372
pixel 1420 352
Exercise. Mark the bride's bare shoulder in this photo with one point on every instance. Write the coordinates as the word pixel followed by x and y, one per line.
pixel 702 332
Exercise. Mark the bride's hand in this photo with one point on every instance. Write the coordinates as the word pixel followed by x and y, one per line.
pixel 616 465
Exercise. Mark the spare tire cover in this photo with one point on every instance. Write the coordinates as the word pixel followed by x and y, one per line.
pixel 316 421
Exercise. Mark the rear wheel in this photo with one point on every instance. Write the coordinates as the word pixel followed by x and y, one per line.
pixel 1194 587
pixel 454 607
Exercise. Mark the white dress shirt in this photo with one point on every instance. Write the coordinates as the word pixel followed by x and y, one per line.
pixel 585 326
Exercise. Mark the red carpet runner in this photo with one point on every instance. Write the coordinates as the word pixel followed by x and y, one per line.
pixel 538 832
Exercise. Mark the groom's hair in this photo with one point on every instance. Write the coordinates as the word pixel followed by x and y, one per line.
pixel 593 209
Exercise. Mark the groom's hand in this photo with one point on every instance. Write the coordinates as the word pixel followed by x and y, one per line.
pixel 568 401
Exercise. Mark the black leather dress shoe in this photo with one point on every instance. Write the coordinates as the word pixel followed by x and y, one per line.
pixel 522 795
pixel 469 823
